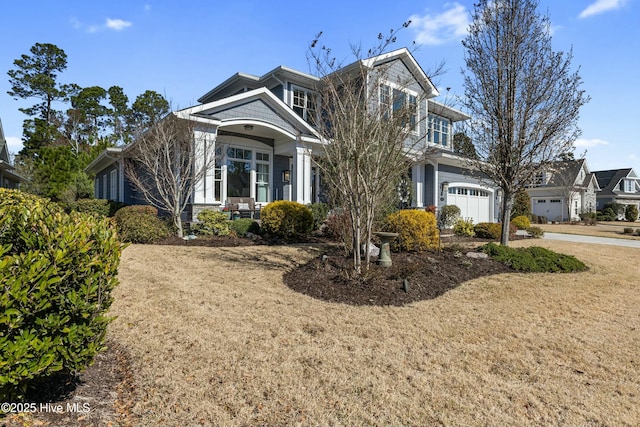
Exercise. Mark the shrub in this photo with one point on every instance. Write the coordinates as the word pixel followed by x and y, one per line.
pixel 417 230
pixel 463 227
pixel 521 204
pixel 521 222
pixel 431 208
pixel 614 210
pixel 212 223
pixel 57 272
pixel 589 218
pixel 627 230
pixel 449 214
pixel 140 224
pixel 533 259
pixel 243 226
pixel 535 232
pixel 98 207
pixel 319 212
pixel 286 219
pixel 542 219
pixel 631 213
pixel 493 230
pixel 637 231
pixel 339 227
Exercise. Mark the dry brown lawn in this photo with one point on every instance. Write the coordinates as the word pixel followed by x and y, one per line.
pixel 216 339
pixel 607 229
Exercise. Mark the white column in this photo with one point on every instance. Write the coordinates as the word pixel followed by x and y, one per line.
pixel 417 177
pixel 223 195
pixel 301 176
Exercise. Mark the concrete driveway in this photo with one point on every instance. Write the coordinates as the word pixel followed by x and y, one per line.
pixel 592 240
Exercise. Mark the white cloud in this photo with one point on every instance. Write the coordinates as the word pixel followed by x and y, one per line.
pixel 147 7
pixel 437 29
pixel 117 24
pixel 109 24
pixel 588 143
pixel 601 6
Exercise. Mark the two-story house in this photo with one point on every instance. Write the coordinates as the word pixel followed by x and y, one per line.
pixel 264 130
pixel 618 186
pixel 563 190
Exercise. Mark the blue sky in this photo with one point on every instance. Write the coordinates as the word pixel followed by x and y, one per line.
pixel 183 49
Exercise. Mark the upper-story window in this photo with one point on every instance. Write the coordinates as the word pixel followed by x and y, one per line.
pixel 438 131
pixel 392 99
pixel 305 104
pixel 629 186
pixel 539 179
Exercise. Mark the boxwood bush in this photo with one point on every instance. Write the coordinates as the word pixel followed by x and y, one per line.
pixel 212 223
pixel 140 224
pixel 286 219
pixel 533 259
pixel 57 272
pixel 243 226
pixel 521 222
pixel 417 230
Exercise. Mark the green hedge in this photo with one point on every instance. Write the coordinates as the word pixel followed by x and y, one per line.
pixel 243 226
pixel 212 223
pixel 57 272
pixel 140 224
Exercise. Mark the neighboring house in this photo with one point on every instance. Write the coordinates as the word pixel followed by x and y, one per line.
pixel 8 176
pixel 563 190
pixel 263 129
pixel 618 186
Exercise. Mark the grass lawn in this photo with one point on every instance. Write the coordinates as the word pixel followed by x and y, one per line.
pixel 607 229
pixel 216 338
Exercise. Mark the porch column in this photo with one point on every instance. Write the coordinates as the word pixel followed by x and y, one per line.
pixel 302 176
pixel 417 177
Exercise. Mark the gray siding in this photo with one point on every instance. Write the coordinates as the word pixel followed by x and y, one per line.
pixel 279 92
pixel 280 163
pixel 258 110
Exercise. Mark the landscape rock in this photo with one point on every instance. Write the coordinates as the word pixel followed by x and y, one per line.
pixel 478 255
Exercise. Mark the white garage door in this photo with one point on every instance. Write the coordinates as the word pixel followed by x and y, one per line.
pixel 551 208
pixel 473 203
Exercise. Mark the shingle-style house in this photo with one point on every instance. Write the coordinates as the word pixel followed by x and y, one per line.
pixel 8 176
pixel 618 186
pixel 563 190
pixel 266 126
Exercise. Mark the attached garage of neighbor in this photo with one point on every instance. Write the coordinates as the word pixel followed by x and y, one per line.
pixel 474 202
pixel 553 209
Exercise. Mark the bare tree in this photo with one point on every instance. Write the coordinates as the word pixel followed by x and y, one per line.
pixel 522 96
pixel 167 162
pixel 367 122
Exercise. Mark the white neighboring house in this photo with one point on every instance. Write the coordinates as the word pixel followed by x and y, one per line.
pixel 263 129
pixel 564 190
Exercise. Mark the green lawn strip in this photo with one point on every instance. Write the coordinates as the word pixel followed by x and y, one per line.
pixel 533 259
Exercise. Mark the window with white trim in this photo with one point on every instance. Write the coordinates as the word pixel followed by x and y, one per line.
pixel 393 98
pixel 629 186
pixel 113 185
pixel 104 187
pixel 305 104
pixel 262 177
pixel 438 130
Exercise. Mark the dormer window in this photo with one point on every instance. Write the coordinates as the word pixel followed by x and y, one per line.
pixel 305 105
pixel 539 179
pixel 629 186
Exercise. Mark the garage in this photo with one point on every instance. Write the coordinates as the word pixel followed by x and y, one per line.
pixel 551 208
pixel 474 203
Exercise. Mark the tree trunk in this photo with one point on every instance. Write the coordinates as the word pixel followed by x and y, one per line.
pixel 177 221
pixel 507 203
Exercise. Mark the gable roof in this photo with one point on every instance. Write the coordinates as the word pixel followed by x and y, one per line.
pixel 4 150
pixel 277 114
pixel 610 179
pixel 242 82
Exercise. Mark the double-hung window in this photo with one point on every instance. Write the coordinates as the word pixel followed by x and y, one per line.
pixel 305 105
pixel 393 99
pixel 438 131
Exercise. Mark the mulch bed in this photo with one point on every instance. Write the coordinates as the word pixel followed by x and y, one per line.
pixel 428 275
